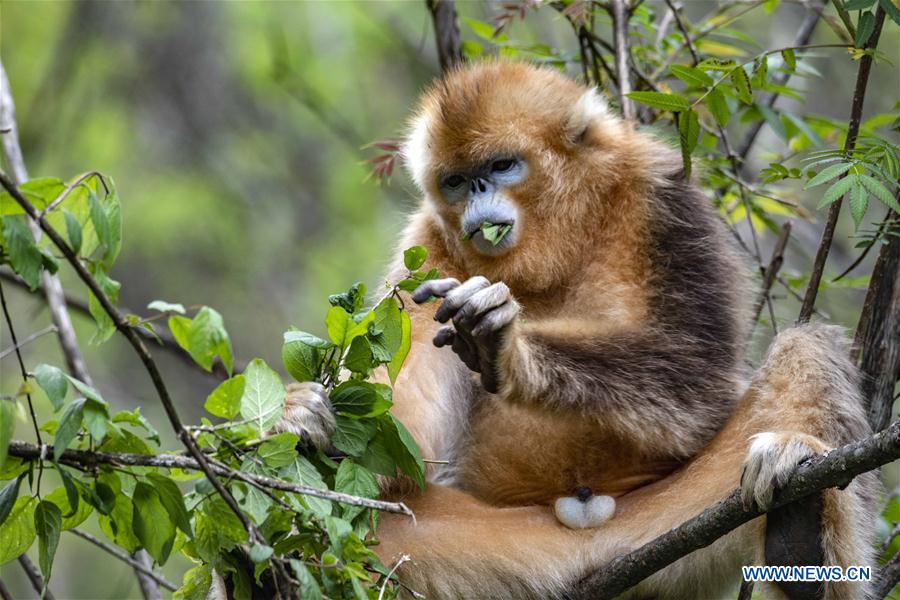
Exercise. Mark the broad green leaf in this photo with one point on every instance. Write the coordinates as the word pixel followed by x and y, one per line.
pixel 837 190
pixel 858 4
pixel 260 553
pixel 279 450
pixel 7 426
pixel 73 231
pixel 864 29
pixel 96 418
pixel 68 427
pixel 891 9
pixel 53 382
pixel 302 355
pixel 361 399
pixel 357 481
pixel 119 524
pixel 195 584
pixel 415 257
pixel 859 202
pixel 253 501
pixel 309 587
pixel 152 524
pixel 113 209
pixel 660 100
pixel 410 461
pixel 717 106
pixel 879 191
pixel 136 419
pixel 770 5
pixel 225 400
pixel 337 322
pixel 359 356
pixel 388 323
pixel 24 256
pixel 742 85
pixel 47 525
pixel 70 490
pixel 172 500
pixel 40 191
pixel 18 532
pixel 263 399
pixel 405 343
pixel 100 220
pixel 110 288
pixel 828 174
pixel 204 337
pixel 352 435
pixel 351 300
pixel 70 519
pixel 8 497
pixel 691 75
pixel 302 472
pixel 163 306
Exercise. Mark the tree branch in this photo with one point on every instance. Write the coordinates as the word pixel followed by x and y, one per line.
pixel 34 576
pixel 888 577
pixel 123 556
pixel 771 271
pixel 878 332
pixel 859 96
pixel 446 32
pixel 87 459
pixel 135 340
pixel 834 469
pixel 620 39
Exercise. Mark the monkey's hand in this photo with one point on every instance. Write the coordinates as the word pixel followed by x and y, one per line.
pixel 482 314
pixel 771 460
pixel 308 413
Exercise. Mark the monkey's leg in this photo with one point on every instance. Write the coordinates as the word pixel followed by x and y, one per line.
pixel 805 395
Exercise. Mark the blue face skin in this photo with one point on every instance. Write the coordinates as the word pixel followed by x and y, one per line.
pixel 482 191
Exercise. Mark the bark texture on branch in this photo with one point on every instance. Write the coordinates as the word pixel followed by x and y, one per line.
pixel 446 32
pixel 835 469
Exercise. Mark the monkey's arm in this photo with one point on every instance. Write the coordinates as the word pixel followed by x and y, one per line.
pixel 640 382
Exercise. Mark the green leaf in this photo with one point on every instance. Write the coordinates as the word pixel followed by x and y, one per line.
pixel 715 102
pixel 837 190
pixel 356 480
pixel 53 382
pixel 359 356
pixel 859 202
pixel 113 209
pixel 302 354
pixel 73 230
pixel 415 257
pixel 100 220
pixel 119 524
pixel 361 399
pixel 110 288
pixel 717 64
pixel 24 256
pixel 152 523
pixel 260 553
pixel 770 5
pixel 774 121
pixel 760 70
pixel 204 337
pixel 660 100
pixel 405 343
pixel 263 399
pixel 409 458
pixel 7 426
pixel 742 85
pixel 225 400
pixel 864 29
pixel 195 584
pixel 47 525
pixel 309 587
pixel 302 472
pixel 279 450
pixel 891 9
pixel 790 59
pixel 389 323
pixel 879 191
pixel 691 76
pixel 337 322
pixel 495 232
pixel 352 435
pixel 136 419
pixel 828 174
pixel 68 427
pixel 163 306
pixel 18 532
pixel 96 418
pixel 8 497
pixel 688 133
pixel 172 500
pixel 858 4
pixel 351 300
pixel 70 490
pixel 804 127
pixel 72 517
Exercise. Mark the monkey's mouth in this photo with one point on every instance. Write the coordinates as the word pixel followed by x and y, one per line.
pixel 492 237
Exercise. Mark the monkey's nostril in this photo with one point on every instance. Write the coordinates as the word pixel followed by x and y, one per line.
pixel 584 493
pixel 481 186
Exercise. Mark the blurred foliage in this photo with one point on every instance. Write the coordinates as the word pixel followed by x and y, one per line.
pixel 237 134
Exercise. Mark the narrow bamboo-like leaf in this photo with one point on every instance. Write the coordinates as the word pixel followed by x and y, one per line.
pixel 859 202
pixel 73 230
pixel 8 497
pixel 715 102
pixel 828 174
pixel 742 85
pixel 880 192
pixel 864 29
pixel 891 9
pixel 691 75
pixel 837 190
pixel 661 101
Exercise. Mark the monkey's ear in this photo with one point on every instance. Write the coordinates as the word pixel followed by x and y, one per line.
pixel 589 108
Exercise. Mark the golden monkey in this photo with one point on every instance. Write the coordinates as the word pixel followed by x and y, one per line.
pixel 587 343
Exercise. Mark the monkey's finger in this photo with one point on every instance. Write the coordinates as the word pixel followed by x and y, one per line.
pixel 467 353
pixel 444 337
pixel 458 296
pixel 481 302
pixel 497 319
pixel 434 287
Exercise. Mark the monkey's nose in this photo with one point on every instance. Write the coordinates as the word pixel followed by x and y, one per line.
pixel 478 185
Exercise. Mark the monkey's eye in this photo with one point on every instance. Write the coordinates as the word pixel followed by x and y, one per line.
pixel 501 166
pixel 454 181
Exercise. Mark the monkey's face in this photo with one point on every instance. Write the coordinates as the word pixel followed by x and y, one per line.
pixel 487 215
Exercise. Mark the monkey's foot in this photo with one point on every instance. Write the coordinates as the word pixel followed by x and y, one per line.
pixel 308 413
pixel 771 460
pixel 584 510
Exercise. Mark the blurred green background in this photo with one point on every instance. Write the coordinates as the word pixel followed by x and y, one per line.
pixel 235 133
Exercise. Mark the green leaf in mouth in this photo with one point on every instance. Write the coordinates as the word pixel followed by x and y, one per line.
pixel 492 232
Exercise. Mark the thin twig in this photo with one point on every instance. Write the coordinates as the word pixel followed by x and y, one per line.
pixel 5 594
pixel 681 27
pixel 620 39
pixel 138 345
pixel 888 578
pixel 771 271
pixel 123 556
pixel 28 340
pixel 87 458
pixel 859 96
pixel 446 32
pixel 746 591
pixel 34 576
pixel 834 469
